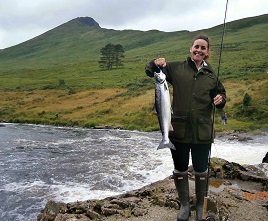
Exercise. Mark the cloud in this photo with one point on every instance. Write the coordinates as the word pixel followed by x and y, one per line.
pixel 23 20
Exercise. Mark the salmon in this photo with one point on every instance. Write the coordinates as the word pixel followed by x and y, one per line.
pixel 163 109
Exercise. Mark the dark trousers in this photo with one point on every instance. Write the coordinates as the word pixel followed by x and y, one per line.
pixel 199 152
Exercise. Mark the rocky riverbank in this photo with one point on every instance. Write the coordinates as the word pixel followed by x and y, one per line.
pixel 236 193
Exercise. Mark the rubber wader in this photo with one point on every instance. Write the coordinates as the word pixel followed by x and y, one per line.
pixel 182 186
pixel 200 191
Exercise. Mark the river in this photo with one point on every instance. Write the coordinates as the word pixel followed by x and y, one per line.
pixel 41 163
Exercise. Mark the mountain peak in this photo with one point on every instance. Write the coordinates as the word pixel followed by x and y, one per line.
pixel 86 21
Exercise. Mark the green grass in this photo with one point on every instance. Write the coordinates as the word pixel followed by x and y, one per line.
pixel 32 74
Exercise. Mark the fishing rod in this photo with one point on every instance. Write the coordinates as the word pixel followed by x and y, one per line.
pixel 204 215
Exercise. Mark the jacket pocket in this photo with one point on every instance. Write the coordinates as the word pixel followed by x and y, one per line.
pixel 204 128
pixel 179 126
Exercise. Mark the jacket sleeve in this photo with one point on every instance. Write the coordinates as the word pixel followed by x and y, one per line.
pixel 150 68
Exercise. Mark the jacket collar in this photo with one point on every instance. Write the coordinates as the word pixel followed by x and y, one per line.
pixel 203 67
pixel 203 64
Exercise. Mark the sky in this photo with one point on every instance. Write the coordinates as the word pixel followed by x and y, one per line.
pixel 21 20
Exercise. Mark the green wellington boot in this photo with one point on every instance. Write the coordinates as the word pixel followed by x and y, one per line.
pixel 182 186
pixel 200 191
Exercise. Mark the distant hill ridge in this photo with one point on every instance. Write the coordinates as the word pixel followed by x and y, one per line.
pixel 84 21
pixel 82 38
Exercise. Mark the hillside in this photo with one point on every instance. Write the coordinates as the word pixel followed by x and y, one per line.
pixel 57 73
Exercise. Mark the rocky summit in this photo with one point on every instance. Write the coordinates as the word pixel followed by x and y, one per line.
pixel 88 21
pixel 236 193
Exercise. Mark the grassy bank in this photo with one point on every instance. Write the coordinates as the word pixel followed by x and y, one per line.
pixel 129 107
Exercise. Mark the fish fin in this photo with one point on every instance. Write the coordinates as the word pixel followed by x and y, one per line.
pixel 154 109
pixel 168 144
pixel 166 86
pixel 171 127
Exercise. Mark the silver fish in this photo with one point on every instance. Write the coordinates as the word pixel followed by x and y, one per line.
pixel 163 109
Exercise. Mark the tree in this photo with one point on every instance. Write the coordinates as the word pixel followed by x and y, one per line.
pixel 111 55
pixel 119 54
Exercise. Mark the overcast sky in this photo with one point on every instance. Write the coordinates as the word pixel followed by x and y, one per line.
pixel 21 20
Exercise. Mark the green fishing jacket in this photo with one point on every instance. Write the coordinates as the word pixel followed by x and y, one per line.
pixel 192 104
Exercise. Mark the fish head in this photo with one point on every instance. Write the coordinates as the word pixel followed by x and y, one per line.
pixel 160 77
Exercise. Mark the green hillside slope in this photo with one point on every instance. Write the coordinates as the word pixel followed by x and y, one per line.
pixel 58 73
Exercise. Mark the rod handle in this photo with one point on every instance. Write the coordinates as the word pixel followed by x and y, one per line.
pixel 204 214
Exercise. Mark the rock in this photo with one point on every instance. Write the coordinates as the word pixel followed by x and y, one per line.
pixel 109 211
pixel 71 217
pixel 92 214
pixel 126 202
pixel 245 173
pixel 87 21
pixel 235 188
pixel 265 159
pixel 244 138
pixel 139 212
pixel 234 135
pixel 51 210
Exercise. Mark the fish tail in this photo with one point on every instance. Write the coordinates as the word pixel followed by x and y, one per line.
pixel 168 144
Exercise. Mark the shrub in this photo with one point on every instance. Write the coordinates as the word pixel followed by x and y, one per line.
pixel 89 124
pixel 61 83
pixel 246 100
